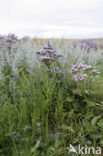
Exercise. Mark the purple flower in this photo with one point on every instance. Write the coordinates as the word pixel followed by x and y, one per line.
pixel 2 43
pixel 76 77
pixel 88 49
pixel 57 70
pixel 86 67
pixel 78 71
pixel 51 50
pixel 57 55
pixel 79 77
pixel 8 46
pixel 73 70
pixel 12 38
pixel 88 44
pixel 48 55
pixel 95 71
pixel 43 58
pixel 83 77
pixel 48 46
pixel 8 41
pixel 75 44
pixel 41 52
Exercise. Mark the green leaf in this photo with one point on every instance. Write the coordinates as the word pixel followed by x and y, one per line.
pixel 69 99
pixel 87 92
pixel 94 120
pixel 85 123
pixel 90 104
pixel 89 115
pixel 20 69
pixel 100 123
pixel 33 149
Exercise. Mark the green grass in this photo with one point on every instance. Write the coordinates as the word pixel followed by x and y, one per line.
pixel 41 115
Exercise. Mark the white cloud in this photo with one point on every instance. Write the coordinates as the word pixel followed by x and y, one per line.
pixel 34 16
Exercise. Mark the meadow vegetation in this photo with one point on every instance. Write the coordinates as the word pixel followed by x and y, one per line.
pixel 51 96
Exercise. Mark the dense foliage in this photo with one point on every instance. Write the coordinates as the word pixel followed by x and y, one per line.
pixel 49 100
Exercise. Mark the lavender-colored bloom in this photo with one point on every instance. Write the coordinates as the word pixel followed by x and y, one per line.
pixel 57 55
pixel 73 70
pixel 95 71
pixel 12 38
pixel 86 67
pixel 57 70
pixel 88 44
pixel 79 77
pixel 48 55
pixel 75 44
pixel 84 76
pixel 88 49
pixel 79 66
pixel 78 71
pixel 41 52
pixel 51 50
pixel 8 41
pixel 76 78
pixel 76 68
pixel 8 46
pixel 48 46
pixel 1 37
pixel 48 49
pixel 44 58
pixel 2 43
pixel 53 59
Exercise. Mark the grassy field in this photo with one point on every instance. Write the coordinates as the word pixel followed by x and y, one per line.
pixel 50 98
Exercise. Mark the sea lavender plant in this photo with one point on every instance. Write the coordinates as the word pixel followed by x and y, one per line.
pixel 9 42
pixel 75 44
pixel 82 71
pixel 86 44
pixel 95 71
pixel 48 55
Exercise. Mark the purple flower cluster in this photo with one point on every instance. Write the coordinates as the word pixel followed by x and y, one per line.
pixel 78 71
pixel 11 38
pixel 76 68
pixel 45 58
pixel 95 71
pixel 75 44
pixel 1 37
pixel 48 53
pixel 49 46
pixel 8 41
pixel 87 44
pixel 80 77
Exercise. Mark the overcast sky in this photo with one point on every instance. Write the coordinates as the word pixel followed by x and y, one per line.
pixel 52 18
